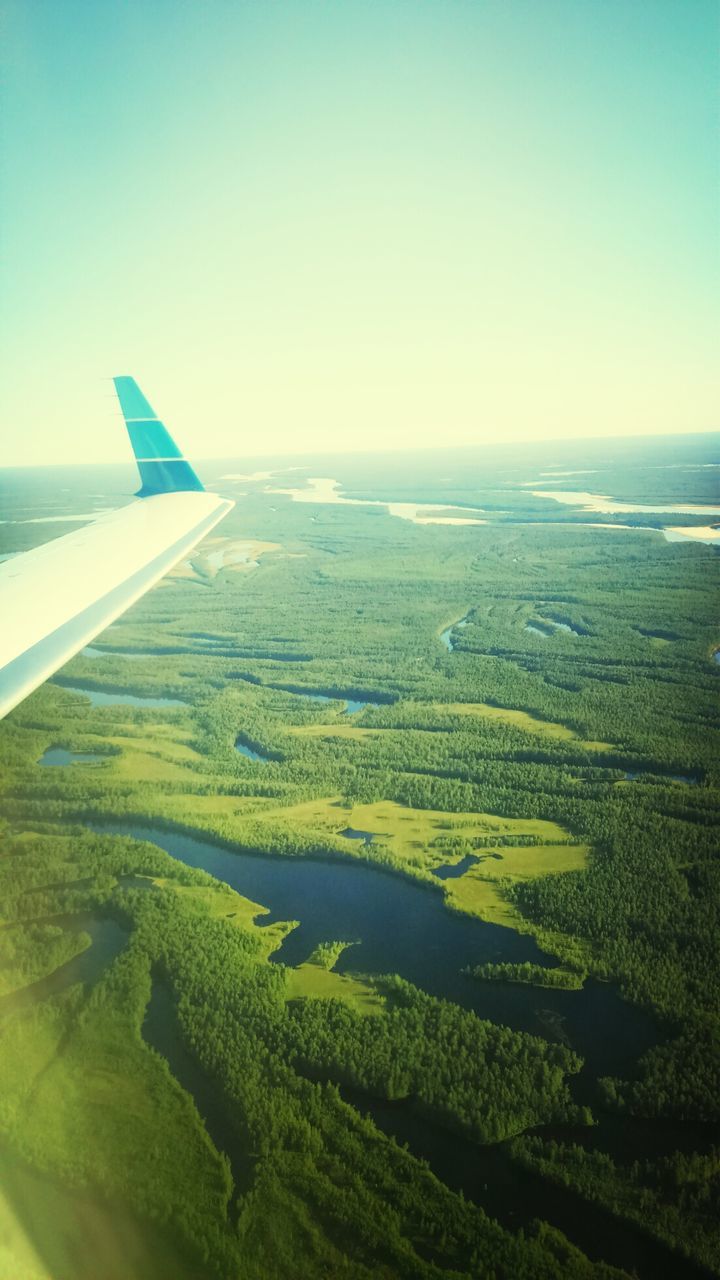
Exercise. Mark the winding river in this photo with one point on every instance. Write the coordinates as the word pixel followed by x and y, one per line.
pixel 446 635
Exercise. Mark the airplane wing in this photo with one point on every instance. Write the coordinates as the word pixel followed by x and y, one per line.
pixel 57 597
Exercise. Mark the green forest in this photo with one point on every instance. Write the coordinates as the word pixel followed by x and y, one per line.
pixel 511 727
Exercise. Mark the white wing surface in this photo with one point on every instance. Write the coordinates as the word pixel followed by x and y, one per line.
pixel 57 597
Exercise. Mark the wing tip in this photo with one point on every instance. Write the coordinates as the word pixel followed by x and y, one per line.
pixel 161 464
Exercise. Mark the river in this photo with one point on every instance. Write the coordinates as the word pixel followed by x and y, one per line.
pixel 446 635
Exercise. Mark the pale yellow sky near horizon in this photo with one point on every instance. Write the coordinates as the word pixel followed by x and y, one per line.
pixel 309 227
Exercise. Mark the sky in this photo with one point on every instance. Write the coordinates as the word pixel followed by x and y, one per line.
pixel 313 225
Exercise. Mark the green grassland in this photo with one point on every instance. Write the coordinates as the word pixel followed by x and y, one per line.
pixel 512 748
pixel 315 979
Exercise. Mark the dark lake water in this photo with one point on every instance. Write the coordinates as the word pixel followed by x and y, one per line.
pixel 453 871
pixel 487 1175
pixel 354 833
pixel 405 928
pixel 514 1196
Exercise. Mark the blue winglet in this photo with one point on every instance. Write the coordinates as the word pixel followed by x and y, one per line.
pixel 160 463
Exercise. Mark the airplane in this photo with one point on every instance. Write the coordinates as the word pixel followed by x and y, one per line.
pixel 57 597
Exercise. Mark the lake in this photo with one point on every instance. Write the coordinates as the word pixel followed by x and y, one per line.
pixel 250 754
pixel 405 928
pixel 105 698
pixel 402 927
pixel 59 756
pixel 352 705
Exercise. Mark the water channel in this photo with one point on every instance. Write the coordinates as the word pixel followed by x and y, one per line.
pixel 160 1030
pixel 515 1196
pixel 107 698
pixel 546 627
pixel 446 635
pixel 352 705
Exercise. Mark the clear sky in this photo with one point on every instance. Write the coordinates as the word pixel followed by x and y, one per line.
pixel 343 224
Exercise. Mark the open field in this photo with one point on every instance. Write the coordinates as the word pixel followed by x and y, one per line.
pixel 313 981
pixel 521 719
pixel 349 731
pixel 482 890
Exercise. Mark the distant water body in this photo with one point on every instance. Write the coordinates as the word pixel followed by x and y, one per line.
pixel 58 756
pixel 105 698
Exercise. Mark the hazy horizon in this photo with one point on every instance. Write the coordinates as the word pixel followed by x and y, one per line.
pixel 309 228
pixel 625 443
pixel 378 450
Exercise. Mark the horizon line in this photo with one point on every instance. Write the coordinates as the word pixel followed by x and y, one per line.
pixel 385 452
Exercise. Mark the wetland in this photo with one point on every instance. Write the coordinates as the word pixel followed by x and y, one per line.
pixel 447 899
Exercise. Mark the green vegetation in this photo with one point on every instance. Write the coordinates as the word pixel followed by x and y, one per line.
pixel 535 975
pixel 82 1091
pixel 316 979
pixel 504 760
pixel 30 951
pixel 677 1196
pixel 327 954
